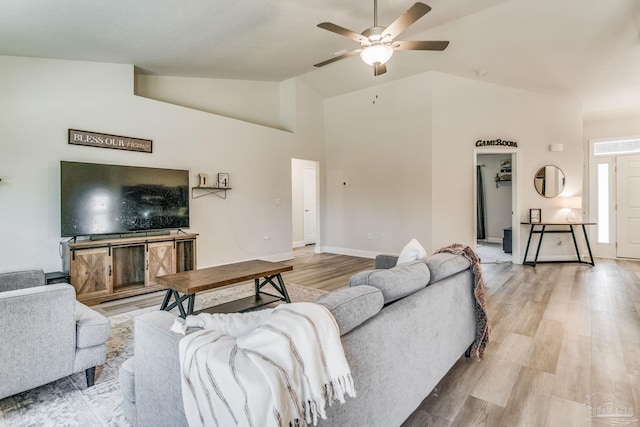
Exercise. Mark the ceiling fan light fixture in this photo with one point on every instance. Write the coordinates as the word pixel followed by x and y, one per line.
pixel 379 53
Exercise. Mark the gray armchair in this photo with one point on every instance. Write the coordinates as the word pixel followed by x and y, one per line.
pixel 45 333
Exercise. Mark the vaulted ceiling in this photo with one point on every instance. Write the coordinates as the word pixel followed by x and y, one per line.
pixel 587 49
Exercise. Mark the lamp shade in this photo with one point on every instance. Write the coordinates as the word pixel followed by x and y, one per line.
pixel 376 53
pixel 573 202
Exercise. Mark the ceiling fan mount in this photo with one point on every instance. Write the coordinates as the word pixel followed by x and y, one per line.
pixel 377 43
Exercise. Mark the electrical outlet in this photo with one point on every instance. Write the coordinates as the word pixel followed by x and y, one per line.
pixel 558 241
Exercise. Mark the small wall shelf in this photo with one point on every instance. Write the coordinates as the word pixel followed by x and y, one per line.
pixel 207 191
pixel 502 178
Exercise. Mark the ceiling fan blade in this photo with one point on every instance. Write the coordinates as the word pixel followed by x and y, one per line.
pixel 342 31
pixel 420 45
pixel 337 58
pixel 415 12
pixel 379 69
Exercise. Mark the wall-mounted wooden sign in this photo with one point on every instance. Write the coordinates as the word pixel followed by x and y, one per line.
pixel 496 142
pixel 94 139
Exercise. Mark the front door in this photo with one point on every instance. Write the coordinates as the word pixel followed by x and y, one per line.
pixel 628 215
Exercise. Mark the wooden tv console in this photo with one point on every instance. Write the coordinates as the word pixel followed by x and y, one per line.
pixel 104 270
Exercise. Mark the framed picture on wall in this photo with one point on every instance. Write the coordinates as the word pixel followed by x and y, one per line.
pixel 535 216
pixel 223 180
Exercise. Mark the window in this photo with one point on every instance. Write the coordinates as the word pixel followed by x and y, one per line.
pixel 603 203
pixel 616 147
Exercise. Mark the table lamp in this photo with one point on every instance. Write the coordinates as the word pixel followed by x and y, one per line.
pixel 572 204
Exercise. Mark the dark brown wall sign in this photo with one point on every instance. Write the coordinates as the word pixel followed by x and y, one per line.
pixel 94 139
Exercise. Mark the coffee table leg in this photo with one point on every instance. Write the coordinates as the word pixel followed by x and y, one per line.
pixel 165 301
pixel 190 298
pixel 283 289
pixel 191 302
pixel 280 287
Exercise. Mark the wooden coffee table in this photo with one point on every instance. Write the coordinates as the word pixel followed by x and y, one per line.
pixel 184 286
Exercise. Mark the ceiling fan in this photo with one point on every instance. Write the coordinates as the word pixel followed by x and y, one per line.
pixel 377 43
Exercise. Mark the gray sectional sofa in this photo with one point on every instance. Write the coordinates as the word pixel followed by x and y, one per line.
pixel 402 329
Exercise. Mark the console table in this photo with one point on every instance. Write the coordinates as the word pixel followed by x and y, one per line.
pixel 544 230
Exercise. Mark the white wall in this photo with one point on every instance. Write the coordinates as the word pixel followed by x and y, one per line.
pixel 406 150
pixel 467 110
pixel 42 99
pixel 410 157
pixel 377 141
pixel 612 127
pixel 250 101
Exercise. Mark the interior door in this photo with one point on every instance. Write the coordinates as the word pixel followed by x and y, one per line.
pixel 309 203
pixel 628 215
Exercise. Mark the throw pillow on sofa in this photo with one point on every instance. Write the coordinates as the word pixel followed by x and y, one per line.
pixel 397 282
pixel 412 251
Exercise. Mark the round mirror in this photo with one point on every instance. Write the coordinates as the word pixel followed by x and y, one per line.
pixel 549 181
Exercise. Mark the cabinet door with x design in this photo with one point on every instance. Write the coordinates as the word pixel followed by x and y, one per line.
pixel 160 261
pixel 90 272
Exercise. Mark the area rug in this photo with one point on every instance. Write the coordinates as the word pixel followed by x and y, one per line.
pixel 492 254
pixel 68 401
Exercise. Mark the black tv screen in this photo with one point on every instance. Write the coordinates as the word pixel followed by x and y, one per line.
pixel 111 199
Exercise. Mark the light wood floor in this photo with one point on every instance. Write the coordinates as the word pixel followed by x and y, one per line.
pixel 561 332
pixel 320 271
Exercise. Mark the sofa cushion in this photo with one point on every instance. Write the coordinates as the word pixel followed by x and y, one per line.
pixel 443 265
pixel 396 282
pixel 352 306
pixel 412 251
pixel 92 328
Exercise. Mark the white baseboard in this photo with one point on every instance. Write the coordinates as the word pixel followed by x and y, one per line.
pixel 298 244
pixel 349 252
pixel 494 240
pixel 565 258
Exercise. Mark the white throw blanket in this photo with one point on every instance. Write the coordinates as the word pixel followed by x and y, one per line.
pixel 266 368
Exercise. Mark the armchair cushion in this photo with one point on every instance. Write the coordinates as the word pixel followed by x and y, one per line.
pixel 92 328
pixel 11 281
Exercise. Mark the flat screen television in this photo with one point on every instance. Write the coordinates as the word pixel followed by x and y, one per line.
pixel 101 199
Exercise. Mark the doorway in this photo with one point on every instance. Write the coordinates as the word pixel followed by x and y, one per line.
pixel 304 202
pixel 496 241
pixel 614 198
